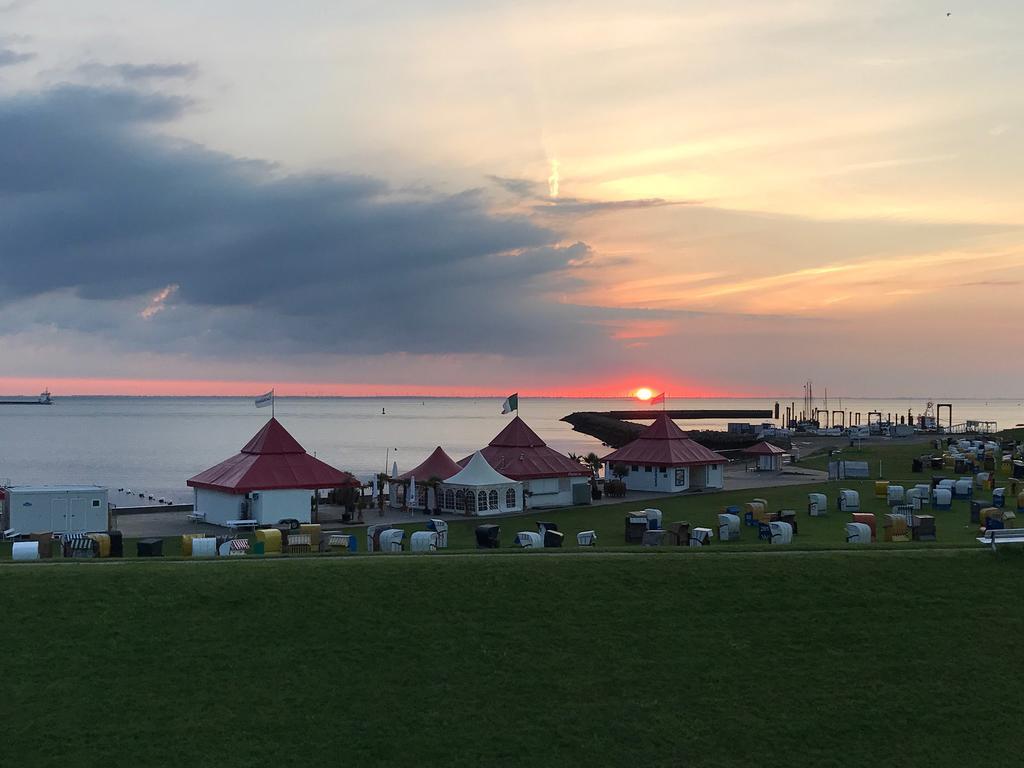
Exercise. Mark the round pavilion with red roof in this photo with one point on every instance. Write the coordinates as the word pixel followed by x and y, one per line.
pixel 550 478
pixel 664 458
pixel 271 479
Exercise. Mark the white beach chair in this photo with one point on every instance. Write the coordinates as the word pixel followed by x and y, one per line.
pixel 782 533
pixel 441 528
pixel 728 526
pixel 529 540
pixel 586 539
pixel 423 541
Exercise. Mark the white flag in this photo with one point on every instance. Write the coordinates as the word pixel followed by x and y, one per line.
pixel 264 400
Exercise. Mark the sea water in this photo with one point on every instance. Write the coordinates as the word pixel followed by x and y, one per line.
pixel 154 444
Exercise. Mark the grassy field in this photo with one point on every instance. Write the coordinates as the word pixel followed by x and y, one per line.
pixel 713 659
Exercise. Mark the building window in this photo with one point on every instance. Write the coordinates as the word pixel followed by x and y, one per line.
pixel 460 500
pixel 481 501
pixel 421 496
pixel 647 468
pixel 510 498
pixel 635 468
pixel 492 499
pixel 95 502
pixel 470 502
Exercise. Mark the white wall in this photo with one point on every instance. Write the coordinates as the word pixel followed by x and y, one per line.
pixel 272 506
pixel 664 479
pixel 219 507
pixel 553 491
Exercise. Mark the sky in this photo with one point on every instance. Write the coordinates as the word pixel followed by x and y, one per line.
pixel 566 198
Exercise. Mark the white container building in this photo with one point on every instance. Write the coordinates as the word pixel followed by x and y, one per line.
pixel 56 508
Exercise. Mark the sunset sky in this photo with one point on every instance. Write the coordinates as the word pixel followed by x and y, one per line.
pixel 555 198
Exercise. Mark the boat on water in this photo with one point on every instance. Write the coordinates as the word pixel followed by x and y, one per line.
pixel 43 399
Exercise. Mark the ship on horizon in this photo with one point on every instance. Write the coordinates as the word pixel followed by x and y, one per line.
pixel 43 399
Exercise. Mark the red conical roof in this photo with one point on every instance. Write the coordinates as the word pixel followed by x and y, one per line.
pixel 664 444
pixel 438 464
pixel 272 460
pixel 663 428
pixel 519 453
pixel 517 434
pixel 273 438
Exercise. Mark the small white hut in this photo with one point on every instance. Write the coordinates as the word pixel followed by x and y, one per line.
pixel 768 456
pixel 479 489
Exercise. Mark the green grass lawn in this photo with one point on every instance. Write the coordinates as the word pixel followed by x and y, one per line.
pixel 822 659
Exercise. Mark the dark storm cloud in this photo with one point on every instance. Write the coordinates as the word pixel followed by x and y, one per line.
pixel 134 73
pixel 99 208
pixel 10 57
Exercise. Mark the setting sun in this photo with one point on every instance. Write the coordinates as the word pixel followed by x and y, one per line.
pixel 644 394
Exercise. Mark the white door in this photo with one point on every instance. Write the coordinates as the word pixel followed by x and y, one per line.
pixel 77 515
pixel 59 515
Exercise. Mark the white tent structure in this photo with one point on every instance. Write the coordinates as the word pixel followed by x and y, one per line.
pixel 479 489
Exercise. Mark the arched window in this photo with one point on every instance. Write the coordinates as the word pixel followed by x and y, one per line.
pixel 492 499
pixel 510 498
pixel 421 496
pixel 470 502
pixel 460 500
pixel 481 501
pixel 449 499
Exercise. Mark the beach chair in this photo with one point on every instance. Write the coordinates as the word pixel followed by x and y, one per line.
pixel 542 527
pixel 489 536
pixel 528 540
pixel 924 528
pixel 636 525
pixel 849 501
pixel 701 537
pixel 10 534
pixel 865 518
pixel 25 550
pixel 817 504
pixel 390 540
pixel 895 528
pixel 728 527
pixel 895 494
pixel 653 519
pixel 238 547
pixel 423 541
pixel 204 547
pixel 999 497
pixel 963 488
pixel 342 542
pixel 781 533
pixel 654 538
pixel 441 528
pixel 553 539
pixel 942 499
pixel 679 534
pixel 764 532
pixel 858 533
pixel 586 539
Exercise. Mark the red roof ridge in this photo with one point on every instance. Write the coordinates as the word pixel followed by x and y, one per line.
pixel 517 434
pixel 273 439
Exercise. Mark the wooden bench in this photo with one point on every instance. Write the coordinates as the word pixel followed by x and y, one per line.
pixel 298 542
pixel 1002 536
pixel 240 525
pixel 197 517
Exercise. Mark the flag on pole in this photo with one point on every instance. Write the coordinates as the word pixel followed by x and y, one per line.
pixel 511 404
pixel 264 400
pixel 658 399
